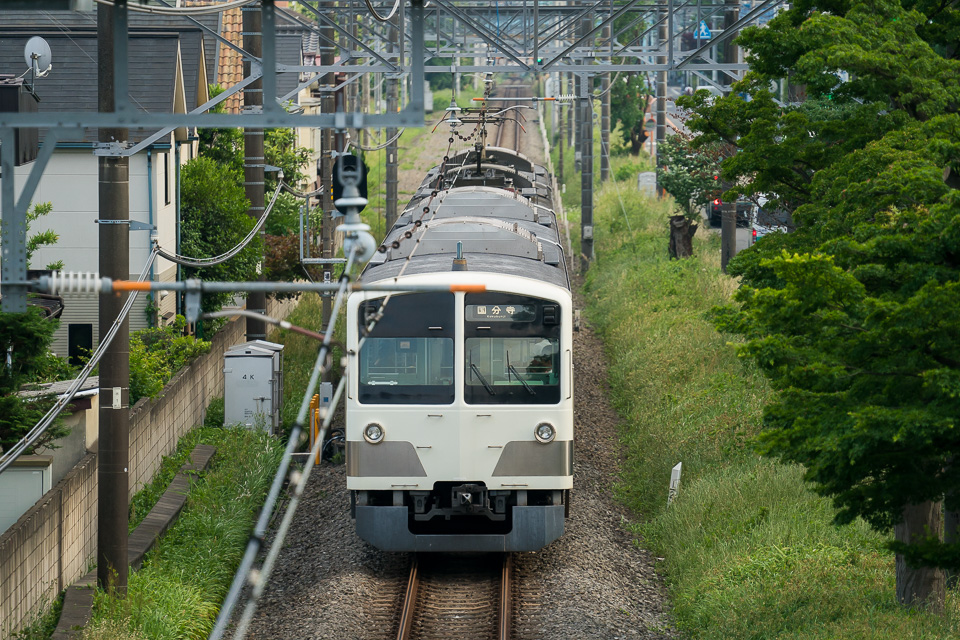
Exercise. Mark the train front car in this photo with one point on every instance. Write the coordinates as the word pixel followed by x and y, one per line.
pixel 460 405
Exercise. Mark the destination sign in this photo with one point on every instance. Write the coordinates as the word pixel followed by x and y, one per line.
pixel 501 312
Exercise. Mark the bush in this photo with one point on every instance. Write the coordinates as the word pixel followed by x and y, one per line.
pixel 627 171
pixel 214 417
pixel 26 337
pixel 156 354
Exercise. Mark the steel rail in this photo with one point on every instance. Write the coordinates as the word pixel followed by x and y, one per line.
pixel 409 600
pixel 506 608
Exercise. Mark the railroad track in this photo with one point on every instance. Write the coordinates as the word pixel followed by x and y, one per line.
pixel 458 597
pixel 509 132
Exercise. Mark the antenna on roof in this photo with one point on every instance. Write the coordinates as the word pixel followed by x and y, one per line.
pixel 38 57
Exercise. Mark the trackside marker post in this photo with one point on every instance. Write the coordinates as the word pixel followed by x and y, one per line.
pixel 674 482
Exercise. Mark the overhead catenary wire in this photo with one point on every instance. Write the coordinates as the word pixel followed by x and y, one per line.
pixel 41 427
pixel 199 263
pixel 377 16
pixel 257 538
pixel 182 11
pixel 378 147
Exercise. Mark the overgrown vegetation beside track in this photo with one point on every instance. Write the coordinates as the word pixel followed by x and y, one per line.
pixel 749 551
pixel 178 592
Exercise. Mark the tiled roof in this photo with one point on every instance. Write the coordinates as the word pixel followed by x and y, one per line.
pixel 229 62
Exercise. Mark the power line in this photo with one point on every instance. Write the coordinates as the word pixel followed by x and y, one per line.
pixel 40 428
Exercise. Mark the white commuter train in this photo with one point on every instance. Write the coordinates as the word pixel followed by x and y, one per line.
pixel 459 410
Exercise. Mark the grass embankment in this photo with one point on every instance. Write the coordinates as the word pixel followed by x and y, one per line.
pixel 749 551
pixel 178 591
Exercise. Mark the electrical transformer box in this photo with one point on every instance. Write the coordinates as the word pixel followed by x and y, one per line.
pixel 253 385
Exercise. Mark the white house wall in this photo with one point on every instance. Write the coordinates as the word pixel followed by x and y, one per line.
pixel 70 184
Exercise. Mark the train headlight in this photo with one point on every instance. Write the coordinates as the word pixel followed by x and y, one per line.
pixel 545 432
pixel 373 433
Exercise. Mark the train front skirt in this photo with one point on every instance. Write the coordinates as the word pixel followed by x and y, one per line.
pixel 387 528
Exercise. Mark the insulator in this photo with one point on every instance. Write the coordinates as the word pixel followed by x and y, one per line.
pixel 75 282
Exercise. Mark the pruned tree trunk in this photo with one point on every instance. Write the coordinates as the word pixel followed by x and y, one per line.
pixel 951 535
pixel 681 237
pixel 921 586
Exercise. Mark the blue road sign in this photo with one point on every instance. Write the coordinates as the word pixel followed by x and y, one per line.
pixel 704 31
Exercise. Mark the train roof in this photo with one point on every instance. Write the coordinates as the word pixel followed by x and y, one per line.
pixel 490 263
pixel 499 155
pixel 480 201
pixel 500 232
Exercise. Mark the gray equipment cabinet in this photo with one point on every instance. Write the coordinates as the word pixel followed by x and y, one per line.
pixel 253 385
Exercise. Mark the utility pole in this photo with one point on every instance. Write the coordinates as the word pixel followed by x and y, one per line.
pixel 253 153
pixel 327 105
pixel 731 14
pixel 562 139
pixel 586 175
pixel 392 106
pixel 113 447
pixel 728 233
pixel 661 91
pixel 605 118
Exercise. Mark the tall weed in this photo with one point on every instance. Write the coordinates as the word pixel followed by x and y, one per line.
pixel 178 591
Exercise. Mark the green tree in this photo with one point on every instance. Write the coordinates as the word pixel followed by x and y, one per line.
pixel 26 338
pixel 689 174
pixel 214 220
pixel 629 97
pixel 854 317
pixel 45 238
pixel 40 239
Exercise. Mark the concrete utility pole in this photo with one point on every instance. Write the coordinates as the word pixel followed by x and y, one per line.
pixel 113 447
pixel 586 175
pixel 731 14
pixel 728 233
pixel 253 154
pixel 661 93
pixel 327 105
pixel 392 106
pixel 605 118
pixel 365 89
pixel 562 140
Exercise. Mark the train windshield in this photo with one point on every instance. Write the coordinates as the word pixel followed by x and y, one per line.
pixel 408 358
pixel 407 371
pixel 523 370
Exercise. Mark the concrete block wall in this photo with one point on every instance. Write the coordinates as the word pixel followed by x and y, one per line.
pixel 55 542
pixel 51 544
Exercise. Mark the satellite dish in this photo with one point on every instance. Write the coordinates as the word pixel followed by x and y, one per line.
pixel 37 55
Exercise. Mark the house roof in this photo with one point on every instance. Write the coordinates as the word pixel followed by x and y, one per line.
pixel 153 45
pixel 72 83
pixel 230 64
